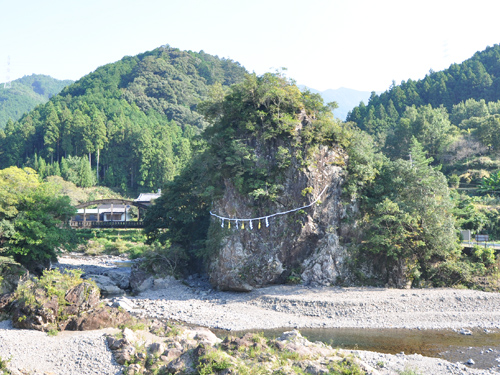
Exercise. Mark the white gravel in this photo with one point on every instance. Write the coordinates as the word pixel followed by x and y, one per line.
pixel 316 307
pixel 68 353
pixel 272 307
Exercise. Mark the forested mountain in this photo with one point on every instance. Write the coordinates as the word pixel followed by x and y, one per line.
pixel 133 120
pixel 345 98
pixel 25 94
pixel 476 78
pixel 454 114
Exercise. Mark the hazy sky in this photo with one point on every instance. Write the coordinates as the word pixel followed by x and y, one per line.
pixel 325 44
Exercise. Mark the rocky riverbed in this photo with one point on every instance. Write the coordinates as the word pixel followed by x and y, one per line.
pixel 194 302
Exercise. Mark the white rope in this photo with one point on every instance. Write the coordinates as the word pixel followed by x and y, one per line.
pixel 266 218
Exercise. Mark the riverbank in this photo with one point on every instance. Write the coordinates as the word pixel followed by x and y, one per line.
pixel 320 307
pixel 194 302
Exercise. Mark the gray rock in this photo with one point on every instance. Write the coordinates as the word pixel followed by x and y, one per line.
pixel 156 348
pixel 140 281
pixel 304 243
pixel 107 286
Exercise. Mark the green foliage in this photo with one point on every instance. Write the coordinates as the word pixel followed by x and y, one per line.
pixel 408 218
pixel 409 371
pixel 162 260
pixel 33 218
pixel 51 283
pixel 259 129
pixel 3 365
pixel 474 78
pixel 25 94
pixel 347 366
pixel 491 184
pixel 52 332
pixel 134 119
pixel 484 255
pixel 112 241
pixel 212 362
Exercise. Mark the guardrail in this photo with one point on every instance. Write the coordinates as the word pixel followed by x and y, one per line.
pixel 105 224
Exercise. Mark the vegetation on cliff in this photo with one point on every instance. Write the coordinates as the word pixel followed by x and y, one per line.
pixel 258 129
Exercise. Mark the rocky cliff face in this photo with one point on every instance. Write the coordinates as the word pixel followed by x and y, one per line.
pixel 300 246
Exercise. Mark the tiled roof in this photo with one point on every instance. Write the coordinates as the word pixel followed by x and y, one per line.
pixel 147 197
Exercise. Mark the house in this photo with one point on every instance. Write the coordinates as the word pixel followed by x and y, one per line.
pixel 147 198
pixel 114 209
pixel 105 212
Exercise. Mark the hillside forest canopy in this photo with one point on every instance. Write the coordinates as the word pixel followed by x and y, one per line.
pixel 423 156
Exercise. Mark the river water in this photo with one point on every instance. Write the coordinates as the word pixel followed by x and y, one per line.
pixel 482 346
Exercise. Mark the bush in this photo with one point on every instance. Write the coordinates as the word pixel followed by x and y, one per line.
pixel 164 260
pixel 484 255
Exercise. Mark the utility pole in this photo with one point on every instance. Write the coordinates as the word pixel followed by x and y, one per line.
pixel 8 83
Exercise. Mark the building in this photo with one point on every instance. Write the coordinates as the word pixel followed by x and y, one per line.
pixel 109 210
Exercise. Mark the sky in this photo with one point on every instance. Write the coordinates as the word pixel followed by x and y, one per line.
pixel 324 44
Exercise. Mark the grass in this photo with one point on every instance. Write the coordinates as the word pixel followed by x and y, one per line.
pixel 112 242
pixel 52 282
pixel 409 371
pixel 52 332
pixel 3 365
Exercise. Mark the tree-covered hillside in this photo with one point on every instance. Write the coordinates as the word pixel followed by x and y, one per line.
pixel 132 120
pixel 455 115
pixel 25 94
pixel 476 78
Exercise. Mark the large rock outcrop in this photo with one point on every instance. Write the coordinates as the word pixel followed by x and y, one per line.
pixel 80 311
pixel 303 245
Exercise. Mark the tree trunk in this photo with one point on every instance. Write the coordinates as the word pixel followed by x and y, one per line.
pixel 97 173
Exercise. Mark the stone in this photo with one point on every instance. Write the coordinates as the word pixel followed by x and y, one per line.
pixel 470 362
pixel 81 297
pixel 115 343
pixel 162 283
pixel 98 318
pixel 124 303
pixel 290 336
pixel 107 286
pixel 134 369
pixel 156 348
pixel 184 364
pixel 6 301
pixel 124 355
pixel 140 280
pixel 120 278
pixel 304 244
pixel 170 355
pixel 205 336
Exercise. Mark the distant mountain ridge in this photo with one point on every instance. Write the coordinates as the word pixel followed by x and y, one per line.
pixel 25 94
pixel 346 98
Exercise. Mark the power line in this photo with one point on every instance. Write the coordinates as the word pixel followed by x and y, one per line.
pixel 8 83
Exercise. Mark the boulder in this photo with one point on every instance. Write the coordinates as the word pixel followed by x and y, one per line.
pixel 120 278
pixel 100 317
pixel 80 311
pixel 107 286
pixel 140 280
pixel 304 242
pixel 81 298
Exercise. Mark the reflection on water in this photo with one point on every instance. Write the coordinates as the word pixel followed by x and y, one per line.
pixel 483 347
